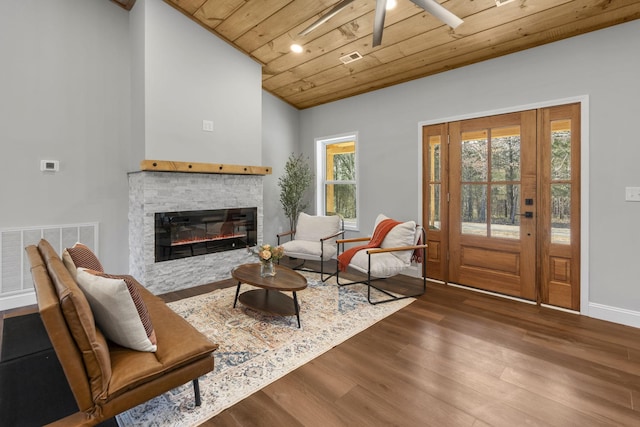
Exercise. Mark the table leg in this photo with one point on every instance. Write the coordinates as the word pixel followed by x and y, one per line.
pixel 297 306
pixel 237 292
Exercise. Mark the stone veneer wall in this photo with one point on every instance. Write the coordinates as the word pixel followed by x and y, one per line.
pixel 151 192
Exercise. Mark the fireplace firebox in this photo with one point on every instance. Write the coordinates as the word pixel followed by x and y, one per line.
pixel 192 233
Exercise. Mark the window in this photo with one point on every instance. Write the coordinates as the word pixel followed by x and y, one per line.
pixel 337 178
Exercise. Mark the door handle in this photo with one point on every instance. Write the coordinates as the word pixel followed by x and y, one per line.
pixel 527 214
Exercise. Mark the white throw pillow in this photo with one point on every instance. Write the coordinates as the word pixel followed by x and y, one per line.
pixel 314 228
pixel 114 310
pixel 403 234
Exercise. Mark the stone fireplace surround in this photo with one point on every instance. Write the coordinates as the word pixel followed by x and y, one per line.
pixel 153 191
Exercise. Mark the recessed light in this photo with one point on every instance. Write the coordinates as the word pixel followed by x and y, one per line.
pixel 391 4
pixel 296 48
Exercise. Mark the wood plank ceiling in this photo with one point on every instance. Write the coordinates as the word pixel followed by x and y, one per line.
pixel 414 43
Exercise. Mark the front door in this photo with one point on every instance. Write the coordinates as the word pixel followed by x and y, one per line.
pixel 492 215
pixel 502 203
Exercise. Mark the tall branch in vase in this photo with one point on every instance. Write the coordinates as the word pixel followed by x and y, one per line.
pixel 293 186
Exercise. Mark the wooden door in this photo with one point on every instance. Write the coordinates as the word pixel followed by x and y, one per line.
pixel 559 189
pixel 501 200
pixel 435 168
pixel 492 206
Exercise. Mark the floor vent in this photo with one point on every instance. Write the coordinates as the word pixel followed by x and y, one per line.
pixel 15 274
pixel 353 56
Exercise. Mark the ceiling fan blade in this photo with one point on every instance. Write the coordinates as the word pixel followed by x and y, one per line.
pixel 437 10
pixel 378 23
pixel 333 12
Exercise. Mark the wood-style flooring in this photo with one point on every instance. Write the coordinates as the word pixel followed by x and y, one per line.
pixel 455 357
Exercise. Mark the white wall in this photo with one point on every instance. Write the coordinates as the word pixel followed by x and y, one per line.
pixel 603 65
pixel 64 95
pixel 190 75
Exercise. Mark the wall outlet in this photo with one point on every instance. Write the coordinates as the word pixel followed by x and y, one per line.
pixel 632 194
pixel 207 125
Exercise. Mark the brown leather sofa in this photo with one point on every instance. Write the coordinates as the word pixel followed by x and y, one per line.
pixel 107 379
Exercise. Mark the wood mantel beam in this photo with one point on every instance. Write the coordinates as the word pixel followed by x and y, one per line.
pixel 126 4
pixel 193 167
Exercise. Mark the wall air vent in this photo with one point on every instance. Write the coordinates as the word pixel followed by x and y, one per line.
pixel 503 2
pixel 353 56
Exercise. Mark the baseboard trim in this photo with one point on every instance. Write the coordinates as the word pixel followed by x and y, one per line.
pixel 615 314
pixel 597 311
pixel 553 307
pixel 495 294
pixel 14 301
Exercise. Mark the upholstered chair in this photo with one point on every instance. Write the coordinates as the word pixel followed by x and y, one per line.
pixel 314 239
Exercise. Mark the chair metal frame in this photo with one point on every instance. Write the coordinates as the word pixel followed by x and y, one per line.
pixel 301 266
pixel 369 280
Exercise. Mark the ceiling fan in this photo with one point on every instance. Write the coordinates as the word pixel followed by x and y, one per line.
pixel 431 6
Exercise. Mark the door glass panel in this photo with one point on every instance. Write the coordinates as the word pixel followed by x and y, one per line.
pixel 560 178
pixel 474 209
pixel 561 150
pixel 505 210
pixel 434 207
pixel 505 155
pixel 434 158
pixel 561 213
pixel 474 156
pixel 499 218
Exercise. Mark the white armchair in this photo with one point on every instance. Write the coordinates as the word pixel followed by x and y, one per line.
pixel 385 255
pixel 314 239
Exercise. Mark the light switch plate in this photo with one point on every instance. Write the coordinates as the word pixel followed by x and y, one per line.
pixel 49 165
pixel 632 194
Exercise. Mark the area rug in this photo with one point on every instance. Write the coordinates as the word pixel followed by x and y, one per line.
pixel 257 349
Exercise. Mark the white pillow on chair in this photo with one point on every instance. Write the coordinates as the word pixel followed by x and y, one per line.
pixel 313 228
pixel 403 234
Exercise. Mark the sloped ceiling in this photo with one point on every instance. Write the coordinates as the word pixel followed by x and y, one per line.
pixel 414 43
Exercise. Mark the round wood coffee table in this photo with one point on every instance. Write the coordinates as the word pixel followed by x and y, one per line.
pixel 270 298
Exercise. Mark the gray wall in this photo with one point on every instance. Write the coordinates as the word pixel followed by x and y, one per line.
pixel 190 75
pixel 65 95
pixel 280 138
pixel 99 89
pixel 603 65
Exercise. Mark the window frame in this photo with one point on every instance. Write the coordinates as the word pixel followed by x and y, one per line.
pixel 321 179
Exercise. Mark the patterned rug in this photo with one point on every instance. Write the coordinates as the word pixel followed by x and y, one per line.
pixel 257 349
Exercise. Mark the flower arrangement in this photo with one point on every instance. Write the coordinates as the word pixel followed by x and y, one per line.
pixel 269 253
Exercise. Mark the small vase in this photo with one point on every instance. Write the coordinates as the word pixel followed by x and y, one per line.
pixel 267 269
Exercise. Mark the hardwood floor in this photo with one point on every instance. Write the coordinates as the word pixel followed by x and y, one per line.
pixel 458 358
